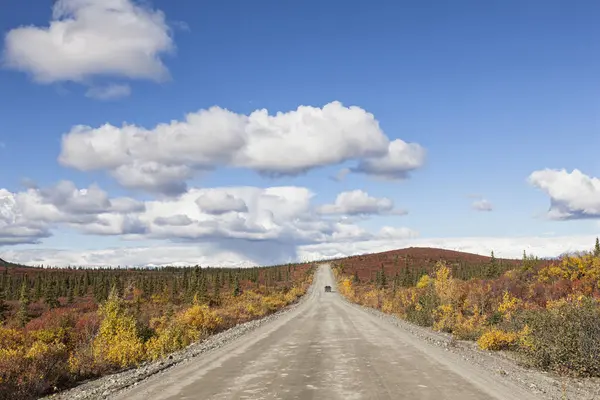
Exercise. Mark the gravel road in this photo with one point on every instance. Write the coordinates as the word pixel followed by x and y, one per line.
pixel 327 348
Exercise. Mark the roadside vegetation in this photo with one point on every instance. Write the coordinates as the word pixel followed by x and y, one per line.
pixel 545 312
pixel 61 326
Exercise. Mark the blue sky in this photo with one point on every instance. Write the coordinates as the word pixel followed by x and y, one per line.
pixel 491 91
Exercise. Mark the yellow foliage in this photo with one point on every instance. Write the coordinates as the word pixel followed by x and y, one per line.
pixel 49 335
pixel 10 338
pixel 118 342
pixel 572 267
pixel 525 338
pixel 445 318
pixel 470 328
pixel 424 281
pixel 496 339
pixel 509 305
pixel 445 286
pixel 200 318
pixel 14 353
pixel 41 349
pixel 346 288
pixel 176 336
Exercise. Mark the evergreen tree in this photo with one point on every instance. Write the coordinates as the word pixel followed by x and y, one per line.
pixel 3 306
pixel 51 296
pixel 23 313
pixel 236 287
pixel 70 295
pixel 37 288
pixel 597 248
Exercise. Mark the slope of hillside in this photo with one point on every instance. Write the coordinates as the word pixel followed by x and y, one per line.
pixel 411 263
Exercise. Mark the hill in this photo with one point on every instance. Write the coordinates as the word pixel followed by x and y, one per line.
pixel 417 261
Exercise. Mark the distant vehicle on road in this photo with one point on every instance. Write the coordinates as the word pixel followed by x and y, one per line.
pixel 328 288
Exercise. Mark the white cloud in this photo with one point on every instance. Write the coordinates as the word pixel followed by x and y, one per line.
pixel 482 205
pixel 505 247
pixel 109 92
pixel 218 202
pixel 28 216
pixel 239 219
pixel 240 254
pixel 87 38
pixel 401 158
pixel 164 158
pixel 357 202
pixel 573 195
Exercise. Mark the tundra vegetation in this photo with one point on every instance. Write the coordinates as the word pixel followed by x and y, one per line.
pixel 61 326
pixel 544 312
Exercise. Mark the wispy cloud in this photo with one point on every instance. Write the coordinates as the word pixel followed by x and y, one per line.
pixel 110 92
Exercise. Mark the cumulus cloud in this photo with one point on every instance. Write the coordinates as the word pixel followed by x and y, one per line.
pixel 109 92
pixel 15 226
pixel 218 202
pixel 173 220
pixel 88 38
pixel 265 225
pixel 573 195
pixel 162 159
pixel 28 216
pixel 400 159
pixel 358 202
pixel 249 213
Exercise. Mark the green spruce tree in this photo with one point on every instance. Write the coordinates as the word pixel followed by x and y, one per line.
pixel 4 308
pixel 23 313
pixel 51 296
pixel 236 287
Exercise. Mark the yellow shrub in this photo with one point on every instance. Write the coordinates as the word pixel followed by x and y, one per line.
pixel 574 267
pixel 525 338
pixel 11 354
pixel 200 318
pixel 388 306
pixel 445 318
pixel 174 337
pixel 470 328
pixel 49 335
pixel 346 288
pixel 509 305
pixel 424 281
pixel 496 339
pixel 10 338
pixel 40 349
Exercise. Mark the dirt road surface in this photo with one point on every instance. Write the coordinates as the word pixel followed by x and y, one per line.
pixel 326 349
